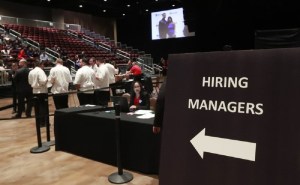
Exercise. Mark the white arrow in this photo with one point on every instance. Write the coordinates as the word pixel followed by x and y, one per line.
pixel 221 146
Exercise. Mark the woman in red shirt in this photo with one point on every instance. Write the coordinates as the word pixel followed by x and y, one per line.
pixel 139 98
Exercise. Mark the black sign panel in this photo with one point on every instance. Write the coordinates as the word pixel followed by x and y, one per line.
pixel 232 118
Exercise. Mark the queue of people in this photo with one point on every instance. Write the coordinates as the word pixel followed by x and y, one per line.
pixel 92 81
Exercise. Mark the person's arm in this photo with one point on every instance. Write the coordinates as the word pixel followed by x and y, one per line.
pixel 145 104
pixel 159 109
pixel 51 77
pixel 77 80
pixel 42 78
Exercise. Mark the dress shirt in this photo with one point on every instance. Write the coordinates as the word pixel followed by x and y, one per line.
pixel 85 77
pixel 59 78
pixel 37 79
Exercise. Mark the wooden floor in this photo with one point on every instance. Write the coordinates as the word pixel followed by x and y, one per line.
pixel 20 167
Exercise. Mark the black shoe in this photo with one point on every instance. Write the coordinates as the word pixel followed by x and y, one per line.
pixel 28 116
pixel 16 116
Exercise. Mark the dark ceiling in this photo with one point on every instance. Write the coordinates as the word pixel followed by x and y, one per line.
pixel 256 13
pixel 106 8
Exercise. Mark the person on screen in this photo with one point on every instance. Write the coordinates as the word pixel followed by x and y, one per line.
pixel 163 27
pixel 159 109
pixel 171 27
pixel 139 98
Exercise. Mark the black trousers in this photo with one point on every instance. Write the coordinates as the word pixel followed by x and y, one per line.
pixel 60 101
pixel 101 97
pixel 21 103
pixel 14 93
pixel 85 98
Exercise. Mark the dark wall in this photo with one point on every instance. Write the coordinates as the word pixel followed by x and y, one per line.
pixel 104 26
pixel 25 11
pixel 216 23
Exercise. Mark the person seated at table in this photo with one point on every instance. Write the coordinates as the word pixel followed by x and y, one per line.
pixel 139 98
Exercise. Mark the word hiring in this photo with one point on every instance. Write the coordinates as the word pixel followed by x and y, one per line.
pixel 225 82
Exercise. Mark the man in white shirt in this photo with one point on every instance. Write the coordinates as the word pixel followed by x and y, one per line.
pixel 37 79
pixel 84 81
pixel 102 94
pixel 59 78
pixel 92 63
pixel 111 72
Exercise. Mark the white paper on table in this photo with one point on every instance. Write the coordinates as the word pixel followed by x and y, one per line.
pixel 146 116
pixel 89 105
pixel 143 112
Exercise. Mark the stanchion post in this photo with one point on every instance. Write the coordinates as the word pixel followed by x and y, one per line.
pixel 40 148
pixel 119 177
pixel 49 142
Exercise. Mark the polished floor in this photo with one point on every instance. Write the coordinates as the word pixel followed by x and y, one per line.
pixel 20 167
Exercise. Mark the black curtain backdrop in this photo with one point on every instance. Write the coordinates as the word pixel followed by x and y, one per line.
pixel 277 38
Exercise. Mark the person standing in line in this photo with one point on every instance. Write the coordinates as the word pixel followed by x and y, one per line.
pixel 84 82
pixel 111 72
pixel 37 78
pixel 102 93
pixel 23 89
pixel 93 64
pixel 60 78
pixel 12 75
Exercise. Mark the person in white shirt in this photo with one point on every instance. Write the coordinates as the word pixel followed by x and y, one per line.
pixel 84 81
pixel 102 94
pixel 111 72
pixel 37 78
pixel 44 57
pixel 92 63
pixel 59 78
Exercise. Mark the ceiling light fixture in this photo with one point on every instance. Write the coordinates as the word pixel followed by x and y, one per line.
pixel 80 6
pixel 104 10
pixel 128 5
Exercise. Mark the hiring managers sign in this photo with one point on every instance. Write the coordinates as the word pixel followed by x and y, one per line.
pixel 231 118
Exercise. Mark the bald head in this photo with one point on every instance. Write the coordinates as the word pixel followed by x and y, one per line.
pixel 59 61
pixel 22 62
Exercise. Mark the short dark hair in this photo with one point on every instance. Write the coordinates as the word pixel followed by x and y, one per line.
pixel 85 60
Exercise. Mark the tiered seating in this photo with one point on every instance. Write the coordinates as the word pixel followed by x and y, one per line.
pixel 49 37
pixel 103 42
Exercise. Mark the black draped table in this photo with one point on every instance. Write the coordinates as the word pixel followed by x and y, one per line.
pixel 92 135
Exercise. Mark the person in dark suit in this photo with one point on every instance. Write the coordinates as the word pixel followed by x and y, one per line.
pixel 12 74
pixel 163 27
pixel 139 98
pixel 159 109
pixel 24 90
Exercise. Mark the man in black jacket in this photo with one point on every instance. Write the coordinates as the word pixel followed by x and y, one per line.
pixel 24 90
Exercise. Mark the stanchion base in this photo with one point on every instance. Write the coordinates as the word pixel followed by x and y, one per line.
pixel 120 179
pixel 41 149
pixel 49 143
